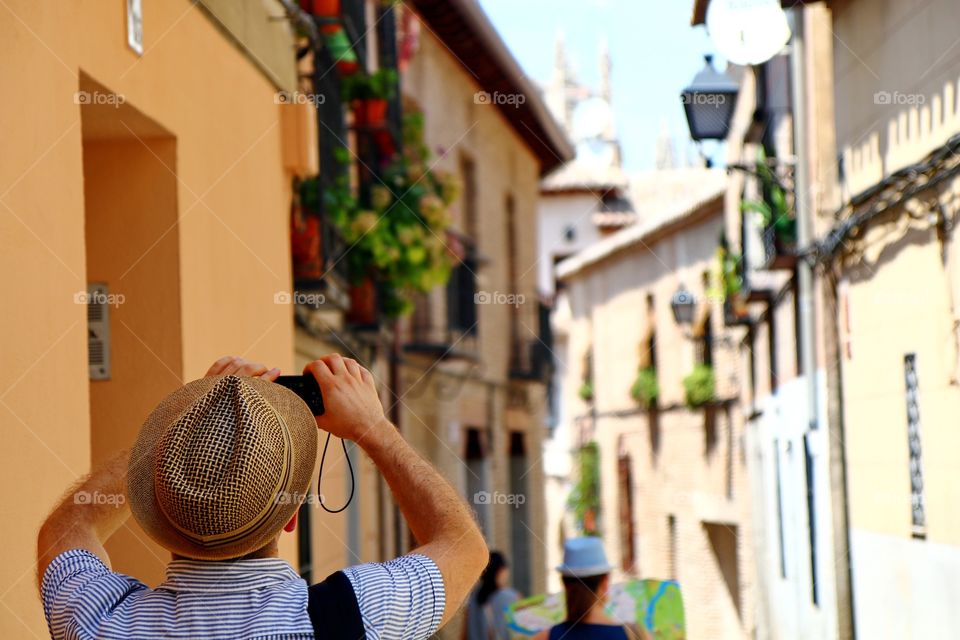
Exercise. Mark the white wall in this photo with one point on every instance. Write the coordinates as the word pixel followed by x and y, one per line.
pixel 917 584
pixel 556 213
pixel 786 609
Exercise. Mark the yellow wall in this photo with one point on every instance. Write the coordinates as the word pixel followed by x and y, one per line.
pixel 898 302
pixel 216 171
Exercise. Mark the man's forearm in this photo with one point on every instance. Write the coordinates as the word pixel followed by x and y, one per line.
pixel 439 518
pixel 88 515
pixel 430 505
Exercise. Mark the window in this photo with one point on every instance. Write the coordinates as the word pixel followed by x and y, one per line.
pixel 672 547
pixel 917 506
pixel 651 346
pixel 780 531
pixel 772 345
pixel 510 243
pixel 461 296
pixel 723 543
pixel 704 344
pixel 468 170
pixel 519 514
pixel 477 478
pixel 627 530
pixel 797 332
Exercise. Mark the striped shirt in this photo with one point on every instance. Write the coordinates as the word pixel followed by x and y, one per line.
pixel 254 599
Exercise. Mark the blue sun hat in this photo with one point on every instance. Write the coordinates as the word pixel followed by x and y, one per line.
pixel 584 557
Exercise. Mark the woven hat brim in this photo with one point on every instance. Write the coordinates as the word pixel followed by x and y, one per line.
pixel 140 476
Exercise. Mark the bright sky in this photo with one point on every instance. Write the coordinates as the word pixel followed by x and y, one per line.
pixel 654 50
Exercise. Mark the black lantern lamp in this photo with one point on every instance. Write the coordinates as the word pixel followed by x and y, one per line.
pixel 683 305
pixel 709 102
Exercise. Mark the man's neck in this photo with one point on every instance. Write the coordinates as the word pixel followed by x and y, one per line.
pixel 269 551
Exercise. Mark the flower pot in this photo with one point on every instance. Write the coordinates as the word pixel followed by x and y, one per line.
pixel 305 246
pixel 363 303
pixel 371 113
pixel 321 8
pixel 347 66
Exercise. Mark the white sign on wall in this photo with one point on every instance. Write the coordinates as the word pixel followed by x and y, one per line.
pixel 135 25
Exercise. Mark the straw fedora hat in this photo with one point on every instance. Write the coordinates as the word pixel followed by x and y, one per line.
pixel 221 465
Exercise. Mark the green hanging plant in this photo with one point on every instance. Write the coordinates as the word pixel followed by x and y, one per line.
pixel 645 389
pixel 399 240
pixel 773 209
pixel 584 500
pixel 586 391
pixel 700 386
pixel 377 85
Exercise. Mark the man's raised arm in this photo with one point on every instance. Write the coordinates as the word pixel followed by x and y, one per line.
pixel 438 517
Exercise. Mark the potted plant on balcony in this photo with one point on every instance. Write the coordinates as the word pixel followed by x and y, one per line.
pixel 584 500
pixel 321 8
pixel 774 213
pixel 700 386
pixel 645 389
pixel 396 243
pixel 305 232
pixel 368 96
pixel 586 391
pixel 731 286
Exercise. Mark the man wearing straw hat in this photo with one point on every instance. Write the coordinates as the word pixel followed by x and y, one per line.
pixel 210 479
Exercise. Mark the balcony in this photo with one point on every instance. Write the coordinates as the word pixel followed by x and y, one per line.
pixel 318 264
pixel 780 253
pixel 444 323
pixel 531 357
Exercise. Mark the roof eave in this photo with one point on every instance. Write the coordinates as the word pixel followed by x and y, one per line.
pixel 466 31
pixel 700 9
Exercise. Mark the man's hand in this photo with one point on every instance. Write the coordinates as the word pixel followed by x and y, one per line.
pixel 352 406
pixel 237 366
pixel 439 518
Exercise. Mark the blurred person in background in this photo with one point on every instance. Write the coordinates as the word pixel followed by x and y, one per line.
pixel 586 578
pixel 487 607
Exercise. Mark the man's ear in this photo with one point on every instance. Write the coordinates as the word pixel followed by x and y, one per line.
pixel 290 526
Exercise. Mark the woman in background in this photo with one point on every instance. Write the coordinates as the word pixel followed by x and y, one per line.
pixel 487 607
pixel 586 578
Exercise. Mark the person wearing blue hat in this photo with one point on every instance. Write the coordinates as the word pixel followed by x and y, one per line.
pixel 586 574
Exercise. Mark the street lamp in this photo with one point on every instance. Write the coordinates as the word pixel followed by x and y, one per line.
pixel 683 305
pixel 709 102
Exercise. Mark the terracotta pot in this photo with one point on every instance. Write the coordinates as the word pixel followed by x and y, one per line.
pixel 371 113
pixel 363 303
pixel 321 8
pixel 305 240
pixel 347 67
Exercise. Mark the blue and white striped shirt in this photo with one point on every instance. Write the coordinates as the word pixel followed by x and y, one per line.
pixel 255 599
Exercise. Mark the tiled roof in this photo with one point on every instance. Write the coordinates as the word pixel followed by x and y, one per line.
pixel 660 199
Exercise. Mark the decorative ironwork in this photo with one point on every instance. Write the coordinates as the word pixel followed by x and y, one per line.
pixel 917 508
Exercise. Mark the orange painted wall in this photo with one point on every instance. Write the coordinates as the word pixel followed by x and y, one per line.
pixel 215 273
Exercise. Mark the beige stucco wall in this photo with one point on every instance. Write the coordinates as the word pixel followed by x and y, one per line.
pixel 895 67
pixel 227 255
pixel 898 300
pixel 680 468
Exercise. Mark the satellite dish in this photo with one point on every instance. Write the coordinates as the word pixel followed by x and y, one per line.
pixel 747 31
